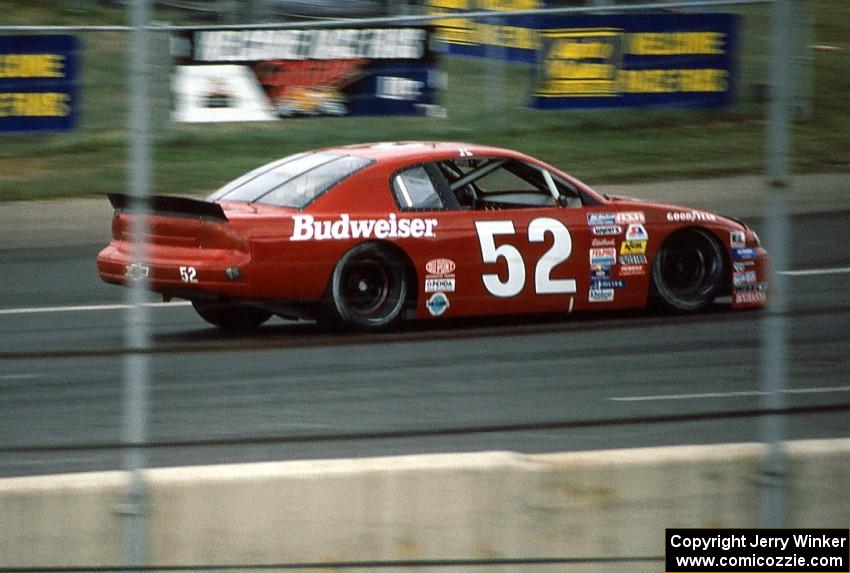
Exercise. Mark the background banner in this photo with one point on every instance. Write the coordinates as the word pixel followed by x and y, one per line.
pixel 256 75
pixel 38 82
pixel 510 38
pixel 636 60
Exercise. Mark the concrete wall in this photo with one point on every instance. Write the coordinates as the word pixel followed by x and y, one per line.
pixel 495 504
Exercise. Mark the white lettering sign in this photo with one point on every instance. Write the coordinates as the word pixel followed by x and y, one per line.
pixel 331 44
pixel 306 228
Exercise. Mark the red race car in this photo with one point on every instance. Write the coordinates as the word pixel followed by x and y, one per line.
pixel 366 235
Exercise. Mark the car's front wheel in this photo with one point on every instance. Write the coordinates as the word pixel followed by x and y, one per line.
pixel 368 288
pixel 688 271
pixel 229 316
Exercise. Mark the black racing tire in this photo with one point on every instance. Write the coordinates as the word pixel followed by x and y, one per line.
pixel 368 288
pixel 688 271
pixel 229 316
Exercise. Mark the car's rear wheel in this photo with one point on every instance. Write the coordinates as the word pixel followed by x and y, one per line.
pixel 688 271
pixel 369 287
pixel 230 316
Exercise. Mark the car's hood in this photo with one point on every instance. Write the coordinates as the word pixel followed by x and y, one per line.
pixel 677 213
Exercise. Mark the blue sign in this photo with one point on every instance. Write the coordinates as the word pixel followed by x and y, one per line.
pixel 38 83
pixel 636 60
pixel 501 37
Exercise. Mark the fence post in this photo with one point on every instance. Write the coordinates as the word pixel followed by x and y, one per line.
pixel 803 72
pixel 774 370
pixel 137 333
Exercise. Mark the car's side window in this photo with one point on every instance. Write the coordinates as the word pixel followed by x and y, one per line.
pixel 498 183
pixel 414 189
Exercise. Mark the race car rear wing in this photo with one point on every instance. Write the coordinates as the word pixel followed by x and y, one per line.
pixel 169 206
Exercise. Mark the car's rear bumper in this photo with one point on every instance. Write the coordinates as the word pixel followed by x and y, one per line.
pixel 178 271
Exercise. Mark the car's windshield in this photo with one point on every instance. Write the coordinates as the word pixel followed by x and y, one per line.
pixel 293 181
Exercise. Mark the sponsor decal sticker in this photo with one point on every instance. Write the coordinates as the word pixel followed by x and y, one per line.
pixel 600 295
pixel 602 243
pixel 690 216
pixel 598 272
pixel 601 218
pixel 745 278
pixel 440 275
pixel 636 232
pixel 737 239
pixel 605 284
pixel 628 217
pixel 742 266
pixel 633 259
pixel 633 248
pixel 603 256
pixel 750 297
pixel 760 287
pixel 437 304
pixel 440 267
pixel 632 270
pixel 437 284
pixel 739 254
pixel 606 229
pixel 306 228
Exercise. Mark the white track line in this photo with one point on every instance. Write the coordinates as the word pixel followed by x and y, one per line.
pixel 97 307
pixel 20 376
pixel 660 397
pixel 86 308
pixel 816 272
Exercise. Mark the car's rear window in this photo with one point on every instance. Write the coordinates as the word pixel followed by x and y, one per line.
pixel 293 181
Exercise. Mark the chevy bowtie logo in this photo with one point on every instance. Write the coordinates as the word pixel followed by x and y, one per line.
pixel 137 271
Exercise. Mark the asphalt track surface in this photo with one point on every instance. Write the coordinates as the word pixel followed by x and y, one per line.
pixel 537 384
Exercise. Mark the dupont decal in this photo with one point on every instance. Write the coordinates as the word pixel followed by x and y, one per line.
pixel 628 217
pixel 636 232
pixel 306 228
pixel 633 259
pixel 440 275
pixel 605 230
pixel 607 219
pixel 633 248
pixel 690 216
pixel 737 239
pixel 739 254
pixel 437 304
pixel 440 267
pixel 600 295
pixel 605 256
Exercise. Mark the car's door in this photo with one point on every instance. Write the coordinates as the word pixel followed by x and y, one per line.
pixel 518 240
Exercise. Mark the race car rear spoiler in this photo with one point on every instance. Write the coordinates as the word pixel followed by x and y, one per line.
pixel 170 206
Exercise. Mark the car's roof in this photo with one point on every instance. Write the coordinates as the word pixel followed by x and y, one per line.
pixel 419 150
